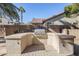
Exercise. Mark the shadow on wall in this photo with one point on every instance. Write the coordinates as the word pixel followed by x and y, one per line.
pixel 69 24
pixel 36 46
pixel 76 50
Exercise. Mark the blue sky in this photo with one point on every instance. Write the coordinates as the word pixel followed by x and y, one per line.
pixel 40 10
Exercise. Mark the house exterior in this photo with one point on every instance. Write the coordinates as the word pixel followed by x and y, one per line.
pixel 38 21
pixel 60 22
pixel 8 26
pixel 5 20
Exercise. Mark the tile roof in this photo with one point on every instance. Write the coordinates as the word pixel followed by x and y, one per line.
pixel 38 20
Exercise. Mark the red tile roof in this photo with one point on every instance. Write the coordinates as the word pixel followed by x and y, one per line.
pixel 38 20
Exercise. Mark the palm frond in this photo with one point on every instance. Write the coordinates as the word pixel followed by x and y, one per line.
pixel 10 10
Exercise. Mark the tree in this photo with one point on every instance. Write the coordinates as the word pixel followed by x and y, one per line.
pixel 21 9
pixel 71 9
pixel 67 10
pixel 10 10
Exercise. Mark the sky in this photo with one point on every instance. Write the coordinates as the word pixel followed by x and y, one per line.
pixel 40 10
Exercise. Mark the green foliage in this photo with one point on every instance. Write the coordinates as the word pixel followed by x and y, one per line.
pixel 67 15
pixel 67 10
pixel 22 10
pixel 10 10
pixel 71 9
pixel 74 9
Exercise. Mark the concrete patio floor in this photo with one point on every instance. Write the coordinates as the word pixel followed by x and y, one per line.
pixel 34 50
pixel 3 49
pixel 38 50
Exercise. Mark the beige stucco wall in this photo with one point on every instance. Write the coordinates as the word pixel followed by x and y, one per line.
pixel 60 44
pixel 37 40
pixel 2 32
pixel 26 41
pixel 13 47
pixel 74 32
pixel 17 43
pixel 53 41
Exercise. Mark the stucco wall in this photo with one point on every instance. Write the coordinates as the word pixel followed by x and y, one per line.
pixel 74 32
pixel 53 41
pixel 26 41
pixel 37 40
pixel 52 20
pixel 2 32
pixel 16 43
pixel 13 47
pixel 60 42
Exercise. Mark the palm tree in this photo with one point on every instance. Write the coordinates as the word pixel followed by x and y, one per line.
pixel 10 10
pixel 21 9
